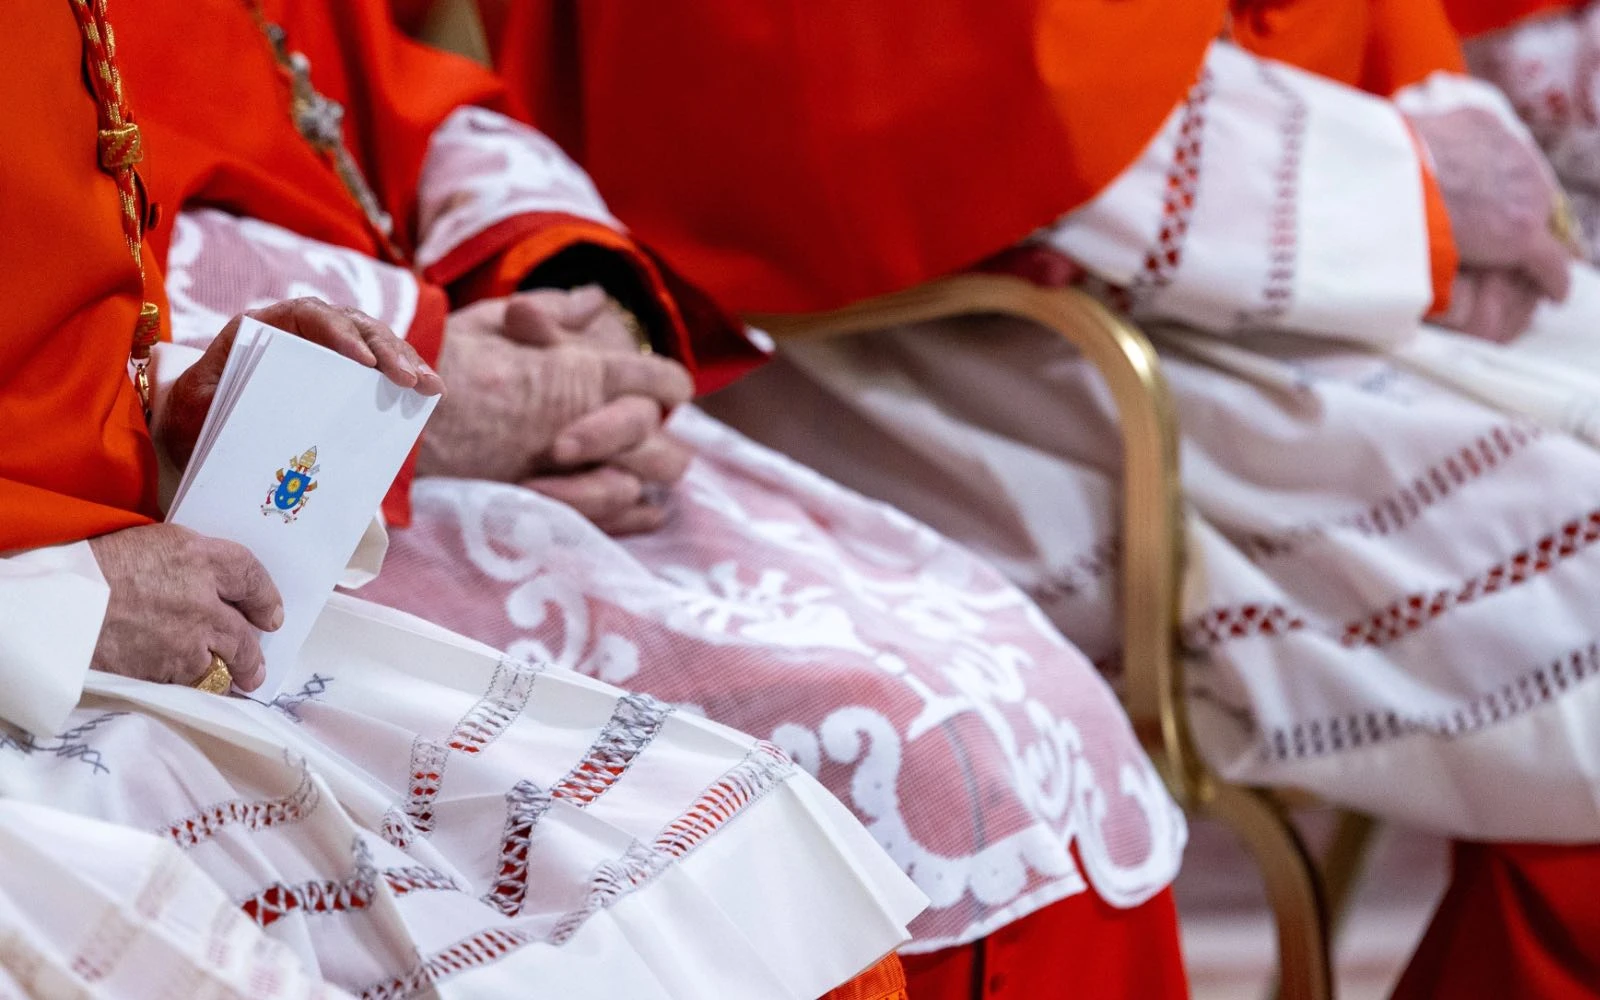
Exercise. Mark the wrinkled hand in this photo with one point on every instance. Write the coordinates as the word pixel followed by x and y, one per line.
pixel 545 410
pixel 176 598
pixel 1500 196
pixel 350 332
pixel 625 438
pixel 552 317
pixel 1495 305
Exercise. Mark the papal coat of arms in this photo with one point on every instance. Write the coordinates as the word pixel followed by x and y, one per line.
pixel 289 494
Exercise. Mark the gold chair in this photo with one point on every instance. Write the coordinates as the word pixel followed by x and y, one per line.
pixel 1151 573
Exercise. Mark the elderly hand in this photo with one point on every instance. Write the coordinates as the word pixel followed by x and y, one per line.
pixel 1494 305
pixel 178 597
pixel 1501 197
pixel 549 391
pixel 587 316
pixel 351 333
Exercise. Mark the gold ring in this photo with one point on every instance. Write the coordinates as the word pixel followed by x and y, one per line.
pixel 1564 224
pixel 217 680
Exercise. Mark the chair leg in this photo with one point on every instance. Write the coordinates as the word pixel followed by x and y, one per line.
pixel 1342 865
pixel 1292 884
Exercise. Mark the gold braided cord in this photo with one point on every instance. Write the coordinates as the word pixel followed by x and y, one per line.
pixel 120 150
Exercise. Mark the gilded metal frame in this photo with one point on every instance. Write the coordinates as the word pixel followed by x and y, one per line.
pixel 1151 574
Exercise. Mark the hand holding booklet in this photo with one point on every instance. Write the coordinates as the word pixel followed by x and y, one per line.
pixel 296 453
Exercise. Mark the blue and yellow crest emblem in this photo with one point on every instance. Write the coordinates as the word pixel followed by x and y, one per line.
pixel 293 487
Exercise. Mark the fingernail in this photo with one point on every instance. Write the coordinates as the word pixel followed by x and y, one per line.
pixel 425 368
pixel 277 620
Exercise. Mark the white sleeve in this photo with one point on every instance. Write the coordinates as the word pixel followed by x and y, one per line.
pixel 52 603
pixel 483 168
pixel 1271 198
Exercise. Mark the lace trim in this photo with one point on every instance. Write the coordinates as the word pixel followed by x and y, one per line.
pixel 505 699
pixel 744 783
pixel 760 770
pixel 1405 615
pixel 632 727
pixel 252 815
pixel 354 893
pixel 480 949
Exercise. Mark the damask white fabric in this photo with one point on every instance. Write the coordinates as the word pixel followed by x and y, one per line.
pixel 1394 590
pixel 483 168
pixel 897 668
pixel 420 815
pixel 220 265
pixel 96 910
pixel 1549 68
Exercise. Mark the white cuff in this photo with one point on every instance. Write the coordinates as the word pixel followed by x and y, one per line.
pixel 52 604
pixel 167 362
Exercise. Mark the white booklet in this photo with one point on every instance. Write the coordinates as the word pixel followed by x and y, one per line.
pixel 293 461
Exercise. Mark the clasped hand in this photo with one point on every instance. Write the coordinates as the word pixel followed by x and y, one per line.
pixel 177 597
pixel 1501 198
pixel 547 389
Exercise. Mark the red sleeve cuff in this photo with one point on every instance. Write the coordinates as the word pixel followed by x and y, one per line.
pixel 427 336
pixel 1443 258
pixel 695 331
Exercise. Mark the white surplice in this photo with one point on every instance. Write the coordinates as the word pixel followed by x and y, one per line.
pixel 1393 596
pixel 422 815
pixel 926 692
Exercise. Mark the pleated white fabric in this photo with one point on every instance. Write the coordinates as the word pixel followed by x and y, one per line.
pixel 424 816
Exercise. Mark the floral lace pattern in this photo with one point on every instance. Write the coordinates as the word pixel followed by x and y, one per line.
pixel 904 674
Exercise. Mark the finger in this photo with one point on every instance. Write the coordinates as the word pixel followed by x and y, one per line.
pixel 662 379
pixel 243 582
pixel 190 396
pixel 661 458
pixel 397 360
pixel 596 494
pixel 600 435
pixel 635 520
pixel 1548 265
pixel 319 323
pixel 536 318
pixel 240 648
pixel 1503 307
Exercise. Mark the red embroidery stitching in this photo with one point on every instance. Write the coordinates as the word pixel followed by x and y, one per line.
pixel 479 949
pixel 1285 240
pixel 1183 182
pixel 1218 625
pixel 634 723
pixel 257 815
pixel 355 893
pixel 1488 453
pixel 1409 613
pixel 505 699
pixel 762 768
